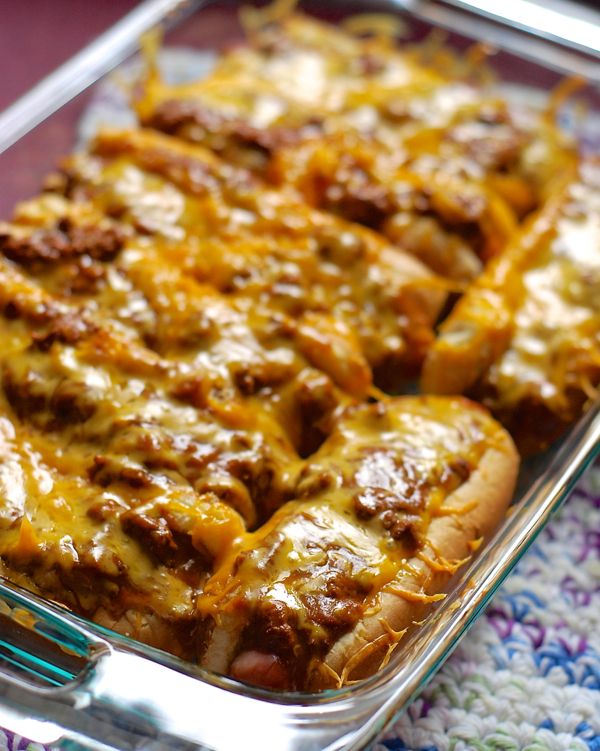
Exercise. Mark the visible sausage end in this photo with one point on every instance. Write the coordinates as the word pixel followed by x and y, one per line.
pixel 261 669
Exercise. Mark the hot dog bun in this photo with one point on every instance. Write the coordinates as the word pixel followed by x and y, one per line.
pixel 480 506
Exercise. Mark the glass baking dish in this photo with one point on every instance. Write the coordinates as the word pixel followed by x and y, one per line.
pixel 67 682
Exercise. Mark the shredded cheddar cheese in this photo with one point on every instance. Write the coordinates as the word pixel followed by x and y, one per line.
pixel 408 594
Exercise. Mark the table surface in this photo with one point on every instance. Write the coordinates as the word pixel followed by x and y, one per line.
pixel 38 35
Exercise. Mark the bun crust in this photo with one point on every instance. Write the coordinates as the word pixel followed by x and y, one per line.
pixel 451 535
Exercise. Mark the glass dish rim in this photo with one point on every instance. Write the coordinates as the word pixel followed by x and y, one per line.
pixel 577 451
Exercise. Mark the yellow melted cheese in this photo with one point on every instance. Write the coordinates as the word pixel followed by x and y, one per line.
pixel 321 557
pixel 187 353
pixel 173 337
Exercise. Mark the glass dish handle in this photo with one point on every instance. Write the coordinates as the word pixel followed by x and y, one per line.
pixel 63 684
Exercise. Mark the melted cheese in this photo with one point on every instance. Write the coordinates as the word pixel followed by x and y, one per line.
pixel 319 557
pixel 173 337
pixel 527 335
pixel 412 141
pixel 557 321
pixel 187 354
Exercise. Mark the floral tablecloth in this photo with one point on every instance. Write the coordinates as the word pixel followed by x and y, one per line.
pixel 527 676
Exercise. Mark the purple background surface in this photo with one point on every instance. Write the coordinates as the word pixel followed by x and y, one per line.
pixel 38 35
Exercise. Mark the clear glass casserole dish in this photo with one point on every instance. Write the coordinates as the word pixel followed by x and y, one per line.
pixel 71 683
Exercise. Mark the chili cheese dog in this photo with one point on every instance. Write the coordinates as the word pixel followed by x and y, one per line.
pixel 386 511
pixel 202 329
